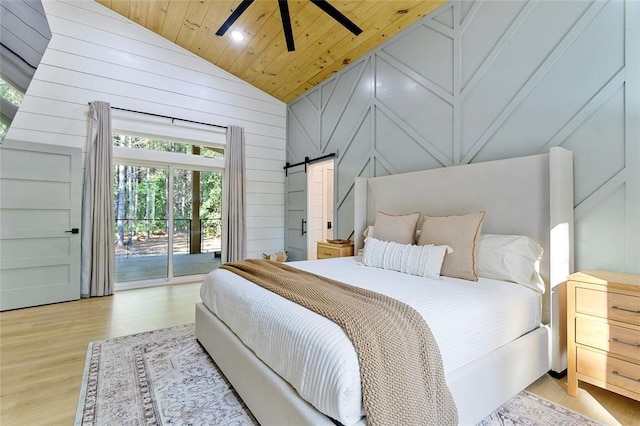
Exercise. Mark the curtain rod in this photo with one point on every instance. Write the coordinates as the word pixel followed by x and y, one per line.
pixel 169 117
pixel 307 161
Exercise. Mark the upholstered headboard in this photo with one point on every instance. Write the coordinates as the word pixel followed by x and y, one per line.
pixel 530 196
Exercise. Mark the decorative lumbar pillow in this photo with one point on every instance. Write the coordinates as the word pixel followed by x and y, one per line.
pixel 424 261
pixel 461 233
pixel 513 258
pixel 396 228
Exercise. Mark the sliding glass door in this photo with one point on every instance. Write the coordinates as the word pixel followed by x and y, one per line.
pixel 166 210
pixel 142 237
pixel 197 220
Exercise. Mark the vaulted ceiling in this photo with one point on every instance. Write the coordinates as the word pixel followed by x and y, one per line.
pixel 322 45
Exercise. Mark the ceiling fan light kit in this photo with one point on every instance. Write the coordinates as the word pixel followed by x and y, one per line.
pixel 286 19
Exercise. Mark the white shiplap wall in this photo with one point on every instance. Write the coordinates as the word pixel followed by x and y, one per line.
pixel 96 54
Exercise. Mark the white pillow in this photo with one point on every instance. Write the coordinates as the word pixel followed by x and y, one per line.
pixel 424 261
pixel 513 258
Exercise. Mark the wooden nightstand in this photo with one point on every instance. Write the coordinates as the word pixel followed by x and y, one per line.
pixel 327 250
pixel 603 320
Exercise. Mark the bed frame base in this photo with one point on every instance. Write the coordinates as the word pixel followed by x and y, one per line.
pixel 478 388
pixel 271 400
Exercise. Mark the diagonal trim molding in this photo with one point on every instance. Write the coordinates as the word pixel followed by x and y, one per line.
pixel 535 79
pixel 595 199
pixel 495 52
pixel 594 104
pixel 427 84
pixel 417 137
pixel 325 140
pixel 578 90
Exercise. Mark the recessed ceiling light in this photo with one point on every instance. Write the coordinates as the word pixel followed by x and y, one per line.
pixel 237 35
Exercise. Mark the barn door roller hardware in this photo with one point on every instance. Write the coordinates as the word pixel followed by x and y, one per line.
pixel 306 161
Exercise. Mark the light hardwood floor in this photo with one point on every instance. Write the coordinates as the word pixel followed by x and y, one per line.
pixel 43 349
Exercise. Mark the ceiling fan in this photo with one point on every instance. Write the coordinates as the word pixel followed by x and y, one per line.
pixel 286 19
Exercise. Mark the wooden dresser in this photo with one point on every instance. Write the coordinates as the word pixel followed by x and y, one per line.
pixel 327 250
pixel 603 333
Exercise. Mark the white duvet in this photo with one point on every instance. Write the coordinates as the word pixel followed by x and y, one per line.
pixel 468 320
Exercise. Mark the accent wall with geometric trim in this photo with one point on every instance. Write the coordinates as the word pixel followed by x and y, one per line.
pixel 485 80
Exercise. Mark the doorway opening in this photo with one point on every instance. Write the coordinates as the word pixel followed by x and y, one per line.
pixel 320 224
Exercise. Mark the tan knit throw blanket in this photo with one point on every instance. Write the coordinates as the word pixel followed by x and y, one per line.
pixel 400 363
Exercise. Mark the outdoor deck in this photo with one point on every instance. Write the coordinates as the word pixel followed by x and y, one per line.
pixel 148 267
pixel 145 258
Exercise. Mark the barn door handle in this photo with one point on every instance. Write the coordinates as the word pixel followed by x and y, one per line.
pixel 304 222
pixel 73 231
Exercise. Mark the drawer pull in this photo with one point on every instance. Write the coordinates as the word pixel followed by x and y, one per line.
pixel 624 309
pixel 635 345
pixel 625 377
pixel 622 342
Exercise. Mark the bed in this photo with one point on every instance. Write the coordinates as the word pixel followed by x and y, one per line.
pixel 531 196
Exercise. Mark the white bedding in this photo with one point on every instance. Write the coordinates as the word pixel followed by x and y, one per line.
pixel 468 320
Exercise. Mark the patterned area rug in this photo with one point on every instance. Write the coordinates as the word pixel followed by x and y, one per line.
pixel 164 377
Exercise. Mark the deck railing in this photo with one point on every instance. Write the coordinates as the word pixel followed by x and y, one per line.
pixel 149 236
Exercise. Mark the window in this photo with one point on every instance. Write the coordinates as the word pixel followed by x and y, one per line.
pixel 151 144
pixel 11 98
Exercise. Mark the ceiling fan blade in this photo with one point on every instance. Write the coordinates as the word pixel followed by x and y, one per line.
pixel 235 15
pixel 337 15
pixel 286 24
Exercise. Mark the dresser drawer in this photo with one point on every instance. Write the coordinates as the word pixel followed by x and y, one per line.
pixel 610 370
pixel 614 306
pixel 617 340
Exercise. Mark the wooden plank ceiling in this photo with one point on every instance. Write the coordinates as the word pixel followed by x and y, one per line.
pixel 323 46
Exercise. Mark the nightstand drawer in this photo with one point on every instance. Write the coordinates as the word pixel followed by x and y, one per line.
pixel 603 331
pixel 600 335
pixel 327 251
pixel 614 306
pixel 610 370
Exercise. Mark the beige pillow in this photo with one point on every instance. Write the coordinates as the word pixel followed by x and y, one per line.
pixel 461 233
pixel 396 228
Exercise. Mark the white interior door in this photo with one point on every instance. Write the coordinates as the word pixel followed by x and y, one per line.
pixel 40 206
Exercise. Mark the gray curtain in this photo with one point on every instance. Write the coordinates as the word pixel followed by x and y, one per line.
pixel 234 227
pixel 98 245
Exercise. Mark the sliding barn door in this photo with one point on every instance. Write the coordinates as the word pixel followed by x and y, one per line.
pixel 40 206
pixel 296 238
